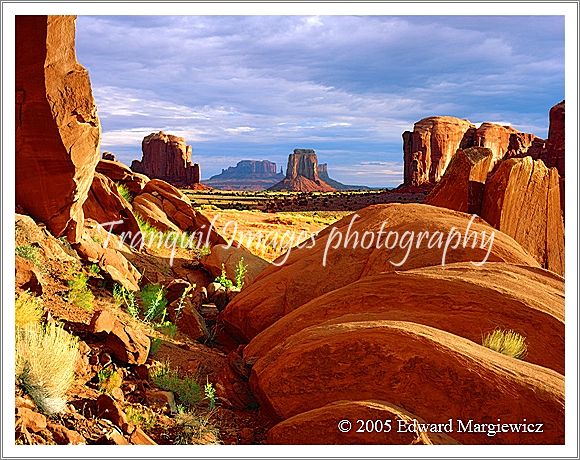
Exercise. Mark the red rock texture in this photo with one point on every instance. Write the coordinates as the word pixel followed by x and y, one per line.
pixel 556 136
pixel 321 425
pixel 302 173
pixel 460 298
pixel 280 289
pixel 494 137
pixel 230 257
pixel 121 174
pixel 522 199
pixel 520 144
pixel 461 186
pixel 57 127
pixel 167 157
pixel 428 372
pixel 104 204
pixel 429 148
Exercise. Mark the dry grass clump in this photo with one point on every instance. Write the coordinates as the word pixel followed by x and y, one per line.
pixel 195 429
pixel 28 310
pixel 45 364
pixel 109 380
pixel 506 342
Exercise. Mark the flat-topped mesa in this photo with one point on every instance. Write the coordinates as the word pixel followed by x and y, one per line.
pixel 302 174
pixel 249 169
pixel 428 149
pixel 168 158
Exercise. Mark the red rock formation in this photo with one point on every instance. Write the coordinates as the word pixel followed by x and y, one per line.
pixel 168 158
pixel 57 127
pixel 460 298
pixel 302 173
pixel 321 426
pixel 431 373
pixel 121 174
pixel 109 156
pixel 429 148
pixel 104 204
pixel 222 256
pixel 281 289
pixel 522 199
pixel 494 137
pixel 555 144
pixel 461 187
pixel 520 144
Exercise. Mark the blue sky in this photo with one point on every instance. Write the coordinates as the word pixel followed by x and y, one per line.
pixel 256 87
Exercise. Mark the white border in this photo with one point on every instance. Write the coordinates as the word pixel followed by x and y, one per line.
pixel 480 8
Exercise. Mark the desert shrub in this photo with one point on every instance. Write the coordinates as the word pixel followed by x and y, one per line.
pixel 155 345
pixel 201 251
pixel 125 298
pixel 94 270
pixel 149 232
pixel 507 342
pixel 45 364
pixel 186 389
pixel 195 429
pixel 210 394
pixel 28 309
pixel 141 416
pixel 154 303
pixel 109 379
pixel 240 273
pixel 125 193
pixel 166 328
pixel 79 293
pixel 223 279
pixel 29 252
pixel 181 302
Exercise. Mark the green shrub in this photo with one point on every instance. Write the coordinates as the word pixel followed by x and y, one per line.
pixel 154 303
pixel 109 379
pixel 167 328
pixel 94 270
pixel 29 252
pixel 141 416
pixel 28 310
pixel 79 293
pixel 223 279
pixel 155 345
pixel 125 193
pixel 186 389
pixel 45 364
pixel 507 342
pixel 210 394
pixel 126 298
pixel 240 273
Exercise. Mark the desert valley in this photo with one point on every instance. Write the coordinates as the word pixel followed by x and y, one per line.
pixel 270 304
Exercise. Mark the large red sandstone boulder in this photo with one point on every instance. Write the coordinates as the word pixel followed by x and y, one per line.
pixel 57 127
pixel 522 199
pixel 427 372
pixel 429 148
pixel 167 157
pixel 229 257
pixel 459 298
pixel 320 426
pixel 168 209
pixel 461 187
pixel 496 138
pixel 105 205
pixel 302 174
pixel 280 289
pixel 121 174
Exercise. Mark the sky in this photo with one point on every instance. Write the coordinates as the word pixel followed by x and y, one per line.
pixel 257 87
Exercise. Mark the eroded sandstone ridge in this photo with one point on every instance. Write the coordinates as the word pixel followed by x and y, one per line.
pixel 302 173
pixel 57 127
pixel 168 158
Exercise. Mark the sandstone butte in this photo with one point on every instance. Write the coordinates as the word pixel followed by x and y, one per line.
pixel 281 289
pixel 429 372
pixel 302 174
pixel 429 148
pixel 57 127
pixel 168 158
pixel 459 298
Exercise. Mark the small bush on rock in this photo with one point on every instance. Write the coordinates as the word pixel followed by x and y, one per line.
pixel 509 343
pixel 29 252
pixel 28 310
pixel 223 279
pixel 79 293
pixel 186 389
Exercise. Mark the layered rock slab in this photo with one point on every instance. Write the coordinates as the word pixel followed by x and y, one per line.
pixel 57 127
pixel 280 289
pixel 427 372
pixel 460 298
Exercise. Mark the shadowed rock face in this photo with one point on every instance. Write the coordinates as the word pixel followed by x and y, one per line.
pixel 302 173
pixel 555 144
pixel 57 127
pixel 168 158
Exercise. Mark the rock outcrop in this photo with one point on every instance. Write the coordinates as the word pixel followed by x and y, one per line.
pixel 461 187
pixel 105 205
pixel 431 373
pixel 556 137
pixel 57 127
pixel 522 199
pixel 429 148
pixel 280 289
pixel 460 298
pixel 168 158
pixel 110 156
pixel 247 175
pixel 302 173
pixel 121 174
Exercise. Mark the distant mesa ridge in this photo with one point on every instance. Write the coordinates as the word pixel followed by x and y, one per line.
pixel 167 157
pixel 247 175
